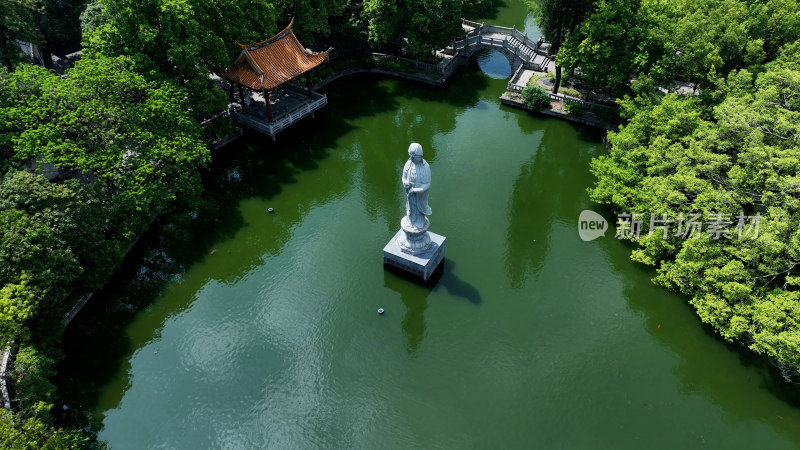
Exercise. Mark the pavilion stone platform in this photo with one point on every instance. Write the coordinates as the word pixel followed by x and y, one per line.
pixel 268 69
pixel 421 265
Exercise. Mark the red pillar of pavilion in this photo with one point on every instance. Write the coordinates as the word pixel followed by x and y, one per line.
pixel 308 86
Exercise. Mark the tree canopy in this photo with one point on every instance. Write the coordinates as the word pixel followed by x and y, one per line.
pixel 118 149
pixel 558 19
pixel 690 41
pixel 182 41
pixel 738 158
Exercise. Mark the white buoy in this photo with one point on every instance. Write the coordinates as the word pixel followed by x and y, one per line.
pixel 270 210
pixel 381 311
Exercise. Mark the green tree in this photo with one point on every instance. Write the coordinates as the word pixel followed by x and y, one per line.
pixel 184 41
pixel 16 306
pixel 419 27
pixel 430 25
pixel 17 22
pixel 350 29
pixel 107 122
pixel 92 17
pixel 31 247
pixel 384 21
pixel 311 17
pixel 557 19
pixel 609 47
pixel 33 434
pixel 31 375
pixel 702 37
pixel 773 23
pixel 78 213
pixel 740 158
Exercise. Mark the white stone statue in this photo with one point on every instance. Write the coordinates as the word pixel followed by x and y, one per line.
pixel 416 182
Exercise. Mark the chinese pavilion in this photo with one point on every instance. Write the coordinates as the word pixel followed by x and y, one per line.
pixel 268 67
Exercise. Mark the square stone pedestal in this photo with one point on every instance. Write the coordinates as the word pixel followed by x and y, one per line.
pixel 421 265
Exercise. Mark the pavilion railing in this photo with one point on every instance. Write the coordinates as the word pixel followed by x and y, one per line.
pixel 294 115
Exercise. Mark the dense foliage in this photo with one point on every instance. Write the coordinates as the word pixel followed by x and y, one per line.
pixel 87 161
pixel 729 154
pixel 689 41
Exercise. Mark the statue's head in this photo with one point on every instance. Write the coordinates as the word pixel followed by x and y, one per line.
pixel 414 150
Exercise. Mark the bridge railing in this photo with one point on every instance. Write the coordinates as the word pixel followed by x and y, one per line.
pixel 498 29
pixel 447 66
pixel 471 23
pixel 419 65
pixel 522 37
pixel 516 45
pixel 507 46
pixel 512 83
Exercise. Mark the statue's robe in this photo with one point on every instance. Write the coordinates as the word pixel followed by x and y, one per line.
pixel 418 175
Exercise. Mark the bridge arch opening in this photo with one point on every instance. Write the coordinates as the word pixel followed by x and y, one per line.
pixel 493 63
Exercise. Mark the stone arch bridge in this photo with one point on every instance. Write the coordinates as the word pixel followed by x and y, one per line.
pixel 519 49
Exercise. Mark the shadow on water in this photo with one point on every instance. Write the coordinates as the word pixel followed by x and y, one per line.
pixel 457 287
pixel 96 343
pixel 442 279
pixel 414 293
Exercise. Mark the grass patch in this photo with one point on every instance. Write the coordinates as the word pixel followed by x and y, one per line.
pixel 534 81
pixel 569 91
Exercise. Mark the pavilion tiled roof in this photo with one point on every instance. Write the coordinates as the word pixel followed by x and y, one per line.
pixel 272 62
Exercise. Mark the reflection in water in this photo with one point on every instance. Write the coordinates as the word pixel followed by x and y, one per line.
pixel 548 189
pixel 382 150
pixel 415 299
pixel 494 64
pixel 701 356
pixel 414 294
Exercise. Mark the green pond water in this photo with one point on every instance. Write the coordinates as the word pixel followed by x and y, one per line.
pixel 229 327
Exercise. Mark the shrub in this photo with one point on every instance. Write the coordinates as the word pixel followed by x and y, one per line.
pixel 535 98
pixel 573 107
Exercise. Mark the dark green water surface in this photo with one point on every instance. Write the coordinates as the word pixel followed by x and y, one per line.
pixel 230 327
